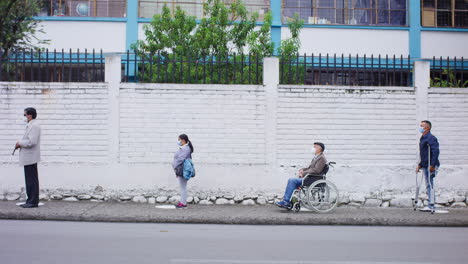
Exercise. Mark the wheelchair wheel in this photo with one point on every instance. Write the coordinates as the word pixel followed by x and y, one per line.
pixel 323 196
pixel 297 207
pixel 294 199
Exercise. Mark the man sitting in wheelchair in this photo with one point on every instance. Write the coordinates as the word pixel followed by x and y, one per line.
pixel 316 167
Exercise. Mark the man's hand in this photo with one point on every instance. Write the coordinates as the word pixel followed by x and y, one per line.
pixel 432 169
pixel 301 173
pixel 17 146
pixel 418 168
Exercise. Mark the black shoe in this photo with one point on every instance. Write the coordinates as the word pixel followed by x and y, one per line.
pixel 29 205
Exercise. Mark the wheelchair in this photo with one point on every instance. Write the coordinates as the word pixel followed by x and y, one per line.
pixel 316 193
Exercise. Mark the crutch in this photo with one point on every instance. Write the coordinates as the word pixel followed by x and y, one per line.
pixel 429 175
pixel 418 186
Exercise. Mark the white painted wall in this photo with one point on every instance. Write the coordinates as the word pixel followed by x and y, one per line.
pixel 108 36
pixel 371 132
pixel 360 126
pixel 346 41
pixel 73 117
pixel 226 122
pixel 141 31
pixel 436 43
pixel 448 109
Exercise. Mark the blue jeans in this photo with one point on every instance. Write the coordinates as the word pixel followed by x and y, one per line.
pixel 293 184
pixel 429 178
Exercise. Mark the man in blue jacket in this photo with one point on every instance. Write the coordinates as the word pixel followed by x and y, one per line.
pixel 428 149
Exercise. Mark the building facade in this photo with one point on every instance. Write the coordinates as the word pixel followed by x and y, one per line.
pixel 421 29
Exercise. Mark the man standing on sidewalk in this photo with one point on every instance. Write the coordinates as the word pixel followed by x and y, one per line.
pixel 30 155
pixel 428 149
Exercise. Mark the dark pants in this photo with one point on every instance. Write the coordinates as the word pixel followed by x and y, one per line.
pixel 32 183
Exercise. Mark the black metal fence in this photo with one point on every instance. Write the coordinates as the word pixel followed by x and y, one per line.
pixel 449 72
pixel 346 70
pixel 88 66
pixel 192 68
pixel 52 66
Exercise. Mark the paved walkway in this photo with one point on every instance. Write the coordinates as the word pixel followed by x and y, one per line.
pixel 229 214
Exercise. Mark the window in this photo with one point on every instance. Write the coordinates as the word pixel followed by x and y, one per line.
pixel 444 13
pixel 148 8
pixel 348 12
pixel 84 8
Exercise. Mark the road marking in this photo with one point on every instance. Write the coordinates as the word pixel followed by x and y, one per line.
pixel 21 203
pixel 231 261
pixel 165 206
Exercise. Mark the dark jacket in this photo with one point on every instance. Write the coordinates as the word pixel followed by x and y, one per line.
pixel 316 165
pixel 425 142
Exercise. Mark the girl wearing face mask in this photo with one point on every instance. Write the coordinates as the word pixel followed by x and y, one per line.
pixel 185 152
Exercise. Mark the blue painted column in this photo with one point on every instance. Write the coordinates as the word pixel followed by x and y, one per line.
pixel 131 34
pixel 415 28
pixel 275 7
pixel 132 23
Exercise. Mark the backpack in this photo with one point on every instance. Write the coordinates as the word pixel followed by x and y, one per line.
pixel 189 169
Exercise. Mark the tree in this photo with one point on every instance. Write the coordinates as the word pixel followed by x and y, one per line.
pixel 168 34
pixel 289 51
pixel 17 27
pixel 259 41
pixel 290 47
pixel 179 50
pixel 223 29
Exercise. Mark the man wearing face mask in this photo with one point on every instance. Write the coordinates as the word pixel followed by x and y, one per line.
pixel 30 155
pixel 316 167
pixel 428 148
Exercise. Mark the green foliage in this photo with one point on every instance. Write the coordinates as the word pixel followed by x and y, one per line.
pixel 168 34
pixel 17 27
pixel 212 34
pixel 177 50
pixel 291 70
pixel 448 79
pixel 221 69
pixel 260 41
pixel 290 47
pixel 241 26
pixel 223 29
pixel 206 49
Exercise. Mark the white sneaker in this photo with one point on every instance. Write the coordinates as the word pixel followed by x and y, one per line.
pixel 425 209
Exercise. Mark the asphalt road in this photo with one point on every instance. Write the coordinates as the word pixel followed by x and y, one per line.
pixel 127 243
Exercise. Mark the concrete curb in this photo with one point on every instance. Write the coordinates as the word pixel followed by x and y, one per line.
pixel 242 215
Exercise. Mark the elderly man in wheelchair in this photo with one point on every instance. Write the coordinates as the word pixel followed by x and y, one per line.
pixel 311 189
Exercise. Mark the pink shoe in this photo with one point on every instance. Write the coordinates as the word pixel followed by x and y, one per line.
pixel 181 205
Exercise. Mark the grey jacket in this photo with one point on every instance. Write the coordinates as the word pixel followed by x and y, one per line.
pixel 316 165
pixel 179 157
pixel 30 151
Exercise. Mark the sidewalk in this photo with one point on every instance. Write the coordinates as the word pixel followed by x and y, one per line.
pixel 229 214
